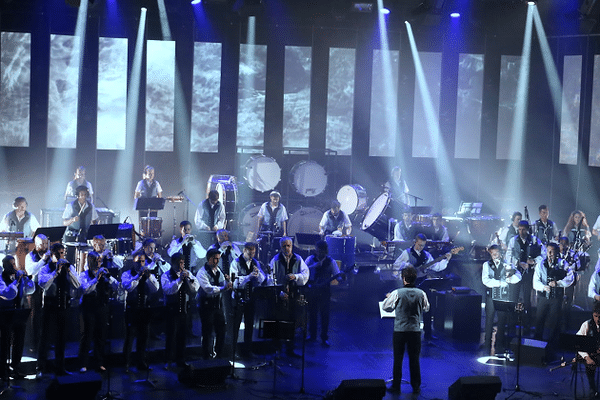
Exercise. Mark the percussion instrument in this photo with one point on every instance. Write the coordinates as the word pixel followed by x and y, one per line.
pixel 151 226
pixel 342 248
pixel 227 187
pixel 248 221
pixel 376 222
pixel 483 226
pixel 262 173
pixel 24 246
pixel 304 220
pixel 121 246
pixel 353 198
pixel 308 178
pixel 81 250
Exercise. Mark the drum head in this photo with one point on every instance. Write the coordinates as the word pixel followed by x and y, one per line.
pixel 308 178
pixel 262 173
pixel 214 180
pixel 377 208
pixel 352 198
pixel 248 219
pixel 228 196
pixel 304 220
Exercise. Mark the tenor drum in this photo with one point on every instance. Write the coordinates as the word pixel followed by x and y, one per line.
pixel 248 221
pixel 308 178
pixel 262 173
pixel 151 227
pixel 304 220
pixel 353 198
pixel 227 187
pixel 376 222
pixel 342 248
pixel 121 246
pixel 482 227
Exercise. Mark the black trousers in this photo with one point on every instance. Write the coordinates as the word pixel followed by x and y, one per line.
pixel 503 320
pixel 547 318
pixel 411 343
pixel 138 322
pixel 246 311
pixel 213 320
pixel 176 333
pixel 319 301
pixel 94 321
pixel 54 319
pixel 11 335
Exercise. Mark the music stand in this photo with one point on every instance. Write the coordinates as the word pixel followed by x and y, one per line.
pixel 10 317
pixel 53 233
pixel 276 330
pixel 149 204
pixel 577 343
pixel 108 231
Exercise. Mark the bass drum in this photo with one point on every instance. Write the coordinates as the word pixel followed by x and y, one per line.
pixel 262 173
pixel 248 221
pixel 376 222
pixel 308 178
pixel 304 220
pixel 353 198
pixel 227 188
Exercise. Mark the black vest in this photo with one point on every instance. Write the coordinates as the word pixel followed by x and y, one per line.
pixel 14 225
pixel 177 302
pixel 85 219
pixel 98 297
pixel 209 212
pixel 147 190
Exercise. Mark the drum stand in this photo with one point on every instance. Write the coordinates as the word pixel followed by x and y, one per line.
pixel 109 395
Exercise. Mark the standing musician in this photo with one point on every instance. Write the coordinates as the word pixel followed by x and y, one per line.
pixel 78 216
pixel 322 269
pixel 210 214
pixel 59 280
pixel 499 279
pixel 273 215
pixel 34 261
pixel 78 180
pixel 577 230
pixel 107 259
pixel 188 246
pixel 246 274
pixel 417 257
pixel 290 271
pixel 179 287
pixel 591 327
pixel 572 259
pixel 405 230
pixel 14 287
pixel 212 283
pixel 153 260
pixel 396 186
pixel 524 252
pixel 96 287
pixel 147 187
pixel 139 284
pixel 544 228
pixel 335 221
pixel 508 232
pixel 551 277
pixel 594 285
pixel 20 220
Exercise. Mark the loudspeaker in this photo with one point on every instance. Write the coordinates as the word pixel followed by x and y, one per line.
pixel 533 352
pixel 205 373
pixel 475 388
pixel 360 389
pixel 79 386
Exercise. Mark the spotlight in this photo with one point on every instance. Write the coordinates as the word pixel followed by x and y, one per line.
pixel 455 15
pixel 363 7
pixel 531 3
pixel 385 11
pixel 196 1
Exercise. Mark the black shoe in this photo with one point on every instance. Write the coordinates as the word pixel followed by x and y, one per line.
pixel 311 339
pixel 293 354
pixel 182 364
pixel 63 372
pixel 393 389
pixel 144 367
pixel 326 343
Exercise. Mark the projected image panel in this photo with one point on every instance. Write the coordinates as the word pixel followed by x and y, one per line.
pixel 160 95
pixel 425 140
pixel 251 96
pixel 595 118
pixel 112 93
pixel 296 96
pixel 384 103
pixel 340 100
pixel 15 69
pixel 206 98
pixel 469 97
pixel 569 121
pixel 63 91
pixel 509 77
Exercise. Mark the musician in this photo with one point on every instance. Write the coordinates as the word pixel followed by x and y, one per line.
pixel 545 229
pixel 594 285
pixel 396 186
pixel 107 259
pixel 78 180
pixel 525 251
pixel 497 277
pixel 179 287
pixel 437 231
pixel 213 284
pixel 34 261
pixel 551 276
pixel 187 245
pixel 416 256
pixel 210 214
pixel 229 251
pixel 20 220
pixel 577 229
pixel 139 284
pixel 96 287
pixel 59 280
pixel 510 231
pixel 14 287
pixel 152 259
pixel 78 216
pixel 335 221
pixel 573 260
pixel 409 302
pixel 591 328
pixel 273 215
pixel 322 269
pixel 290 271
pixel 405 230
pixel 246 275
pixel 148 186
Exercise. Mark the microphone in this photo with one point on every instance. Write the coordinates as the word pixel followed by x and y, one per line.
pixel 180 193
pixel 126 218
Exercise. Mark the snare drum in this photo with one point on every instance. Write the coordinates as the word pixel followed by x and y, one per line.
pixel 262 173
pixel 227 187
pixel 151 226
pixel 342 248
pixel 376 222
pixel 248 221
pixel 121 246
pixel 353 198
pixel 308 178
pixel 304 220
